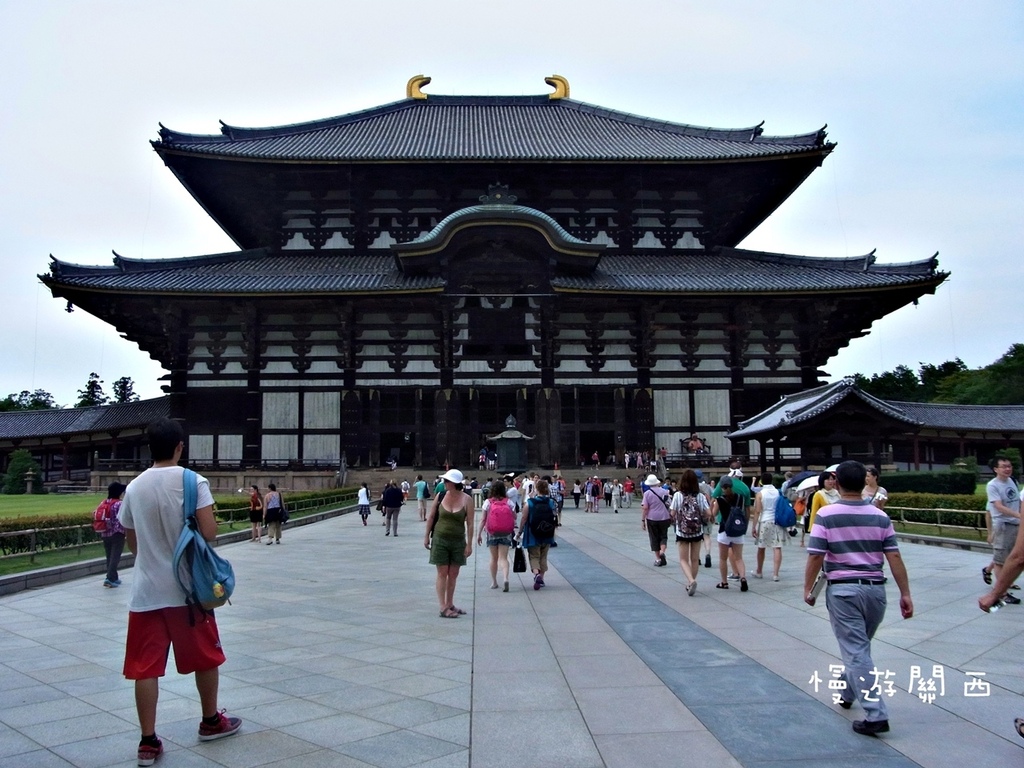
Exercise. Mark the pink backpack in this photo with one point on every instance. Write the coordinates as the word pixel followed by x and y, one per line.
pixel 501 521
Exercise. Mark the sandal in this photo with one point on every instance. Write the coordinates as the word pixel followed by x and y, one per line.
pixel 447 613
pixel 743 585
pixel 457 611
pixel 723 585
pixel 986 575
pixel 1018 723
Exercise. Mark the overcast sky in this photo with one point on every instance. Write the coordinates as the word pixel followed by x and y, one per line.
pixel 925 99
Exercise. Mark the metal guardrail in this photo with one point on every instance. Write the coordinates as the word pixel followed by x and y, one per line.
pixel 84 535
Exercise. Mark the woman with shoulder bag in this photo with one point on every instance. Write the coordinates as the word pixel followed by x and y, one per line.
pixel 449 537
pixel 273 514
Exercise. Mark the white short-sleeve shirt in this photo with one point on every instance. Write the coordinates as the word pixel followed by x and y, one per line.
pixel 152 506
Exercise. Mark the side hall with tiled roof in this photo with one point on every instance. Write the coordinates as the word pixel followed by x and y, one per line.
pixel 921 435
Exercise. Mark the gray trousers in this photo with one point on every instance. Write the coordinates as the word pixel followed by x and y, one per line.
pixel 391 519
pixel 855 611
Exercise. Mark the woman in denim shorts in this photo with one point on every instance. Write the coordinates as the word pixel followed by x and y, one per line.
pixel 498 539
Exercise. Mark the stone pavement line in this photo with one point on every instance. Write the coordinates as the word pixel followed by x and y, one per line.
pixel 725 689
pixel 773 627
pixel 553 685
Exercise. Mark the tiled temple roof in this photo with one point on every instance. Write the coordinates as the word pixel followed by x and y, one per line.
pixel 802 407
pixel 488 128
pixel 255 272
pixel 16 425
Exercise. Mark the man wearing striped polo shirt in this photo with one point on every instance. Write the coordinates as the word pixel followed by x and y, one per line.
pixel 851 540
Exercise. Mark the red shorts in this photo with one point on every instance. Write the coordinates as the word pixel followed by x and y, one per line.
pixel 152 633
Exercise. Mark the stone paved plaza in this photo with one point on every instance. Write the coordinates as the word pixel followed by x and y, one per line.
pixel 337 657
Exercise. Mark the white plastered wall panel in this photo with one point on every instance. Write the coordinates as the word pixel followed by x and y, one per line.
pixel 200 447
pixel 711 408
pixel 229 448
pixel 280 410
pixel 280 447
pixel 321 410
pixel 671 407
pixel 325 448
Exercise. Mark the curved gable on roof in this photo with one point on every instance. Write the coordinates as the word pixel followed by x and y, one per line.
pixel 793 411
pixel 803 407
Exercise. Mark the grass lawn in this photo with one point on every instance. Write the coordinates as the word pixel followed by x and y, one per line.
pixel 946 531
pixel 50 558
pixel 48 504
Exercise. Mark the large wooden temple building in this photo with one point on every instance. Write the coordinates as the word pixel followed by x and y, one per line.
pixel 410 275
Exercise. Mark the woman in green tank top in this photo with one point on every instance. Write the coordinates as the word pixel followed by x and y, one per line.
pixel 449 538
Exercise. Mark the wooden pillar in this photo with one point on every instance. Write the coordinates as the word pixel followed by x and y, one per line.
pixel 420 432
pixel 917 452
pixel 523 421
pixel 548 427
pixel 65 470
pixel 447 427
pixel 371 420
pixel 353 438
pixel 621 424
pixel 643 419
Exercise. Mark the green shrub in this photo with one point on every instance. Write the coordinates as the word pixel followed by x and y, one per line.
pixel 923 505
pixel 47 537
pixel 930 482
pixel 937 501
pixel 20 463
pixel 966 464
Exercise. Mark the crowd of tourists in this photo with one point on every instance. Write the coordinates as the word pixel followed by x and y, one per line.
pixel 838 515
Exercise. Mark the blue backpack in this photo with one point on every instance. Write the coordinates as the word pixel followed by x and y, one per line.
pixel 206 578
pixel 785 515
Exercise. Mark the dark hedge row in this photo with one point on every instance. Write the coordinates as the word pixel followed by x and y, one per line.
pixel 930 482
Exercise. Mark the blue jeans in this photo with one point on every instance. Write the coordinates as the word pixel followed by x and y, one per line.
pixel 855 611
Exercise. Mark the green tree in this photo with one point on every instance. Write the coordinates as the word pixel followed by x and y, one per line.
pixel 932 376
pixel 92 393
pixel 28 401
pixel 21 461
pixel 901 383
pixel 1001 383
pixel 124 390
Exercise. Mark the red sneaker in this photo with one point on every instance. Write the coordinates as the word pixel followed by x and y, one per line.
pixel 148 754
pixel 225 726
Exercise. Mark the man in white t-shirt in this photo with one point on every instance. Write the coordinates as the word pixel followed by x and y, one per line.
pixel 158 618
pixel 1003 518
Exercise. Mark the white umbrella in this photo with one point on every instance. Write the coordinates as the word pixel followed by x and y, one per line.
pixel 833 468
pixel 811 483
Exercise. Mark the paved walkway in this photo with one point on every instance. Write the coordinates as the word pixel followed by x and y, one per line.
pixel 337 657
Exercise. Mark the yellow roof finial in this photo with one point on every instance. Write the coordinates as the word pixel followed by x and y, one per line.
pixel 412 88
pixel 561 86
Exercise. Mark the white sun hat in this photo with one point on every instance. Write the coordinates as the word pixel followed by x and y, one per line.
pixel 453 476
